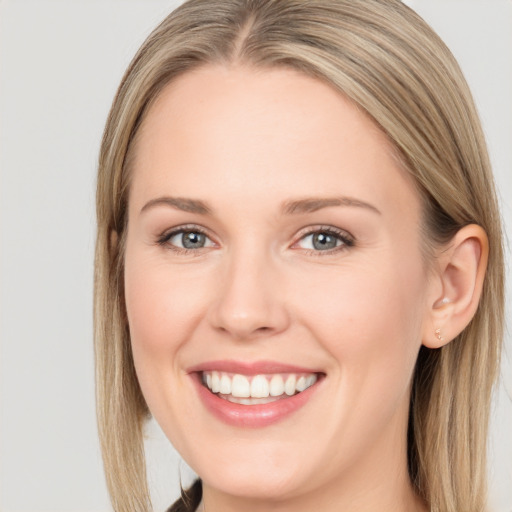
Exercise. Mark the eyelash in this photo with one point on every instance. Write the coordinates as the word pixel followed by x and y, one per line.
pixel 344 237
pixel 163 239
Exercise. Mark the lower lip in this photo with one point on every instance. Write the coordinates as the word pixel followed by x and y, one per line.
pixel 253 416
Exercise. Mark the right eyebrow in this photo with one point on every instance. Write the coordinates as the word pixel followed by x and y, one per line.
pixel 179 203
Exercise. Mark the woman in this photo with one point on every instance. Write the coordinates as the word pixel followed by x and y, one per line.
pixel 299 268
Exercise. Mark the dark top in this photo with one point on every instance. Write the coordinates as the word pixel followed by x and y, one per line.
pixel 190 498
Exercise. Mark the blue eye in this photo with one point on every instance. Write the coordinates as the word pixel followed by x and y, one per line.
pixel 325 240
pixel 186 239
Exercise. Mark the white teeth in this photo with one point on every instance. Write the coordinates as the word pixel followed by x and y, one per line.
pixel 215 382
pixel 301 384
pixel 240 386
pixel 259 387
pixel 276 385
pixel 248 390
pixel 289 385
pixel 225 385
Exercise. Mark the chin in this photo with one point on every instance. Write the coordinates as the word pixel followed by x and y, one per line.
pixel 254 483
pixel 250 469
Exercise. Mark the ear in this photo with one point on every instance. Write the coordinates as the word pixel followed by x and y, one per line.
pixel 456 287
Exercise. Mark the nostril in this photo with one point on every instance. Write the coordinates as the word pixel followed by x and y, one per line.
pixel 244 332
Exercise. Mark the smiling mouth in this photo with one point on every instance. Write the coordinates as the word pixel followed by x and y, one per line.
pixel 257 389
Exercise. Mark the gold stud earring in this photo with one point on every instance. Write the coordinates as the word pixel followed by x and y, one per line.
pixel 438 335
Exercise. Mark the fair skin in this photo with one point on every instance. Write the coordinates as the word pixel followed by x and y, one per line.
pixel 336 287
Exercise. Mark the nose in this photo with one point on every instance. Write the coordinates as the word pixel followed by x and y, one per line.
pixel 250 300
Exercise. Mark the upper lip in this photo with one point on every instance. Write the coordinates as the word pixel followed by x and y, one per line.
pixel 249 368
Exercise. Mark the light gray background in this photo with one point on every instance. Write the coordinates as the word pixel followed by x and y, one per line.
pixel 60 64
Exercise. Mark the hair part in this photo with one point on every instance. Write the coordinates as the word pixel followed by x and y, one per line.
pixel 392 66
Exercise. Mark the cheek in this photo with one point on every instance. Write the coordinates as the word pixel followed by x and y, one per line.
pixel 161 307
pixel 369 318
pixel 162 311
pixel 148 301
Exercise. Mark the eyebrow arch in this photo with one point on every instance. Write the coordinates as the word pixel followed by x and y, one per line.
pixel 180 203
pixel 312 204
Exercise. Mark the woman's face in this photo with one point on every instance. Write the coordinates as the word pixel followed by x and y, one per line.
pixel 274 244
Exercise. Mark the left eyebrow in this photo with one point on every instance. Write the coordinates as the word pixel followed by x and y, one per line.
pixel 312 204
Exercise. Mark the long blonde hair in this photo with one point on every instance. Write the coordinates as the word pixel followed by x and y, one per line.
pixel 389 62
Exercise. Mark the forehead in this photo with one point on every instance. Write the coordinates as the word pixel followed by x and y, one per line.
pixel 240 127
